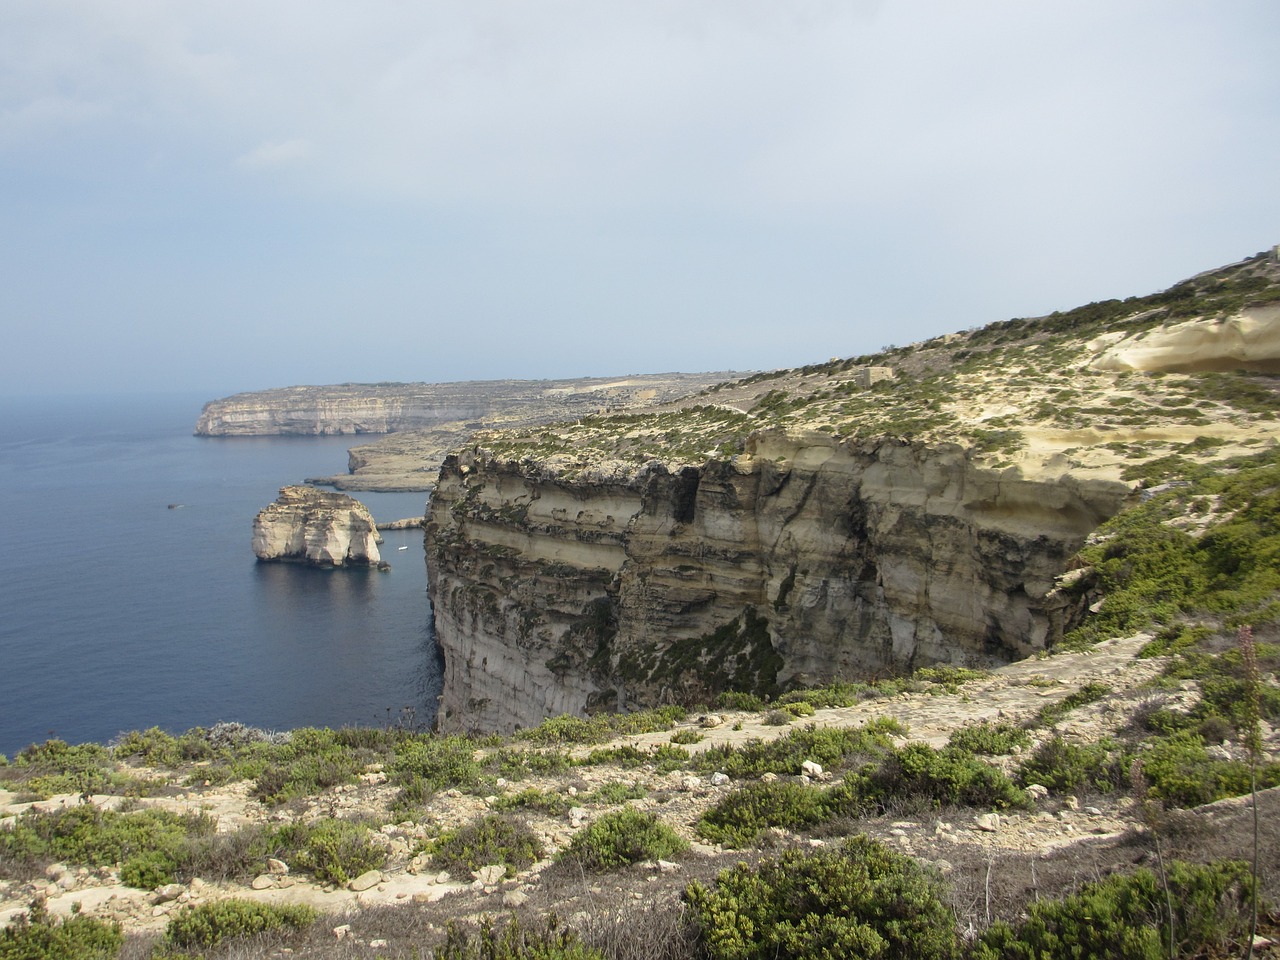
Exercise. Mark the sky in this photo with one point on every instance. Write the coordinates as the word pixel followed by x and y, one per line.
pixel 217 197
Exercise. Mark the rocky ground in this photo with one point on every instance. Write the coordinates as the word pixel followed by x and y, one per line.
pixel 996 861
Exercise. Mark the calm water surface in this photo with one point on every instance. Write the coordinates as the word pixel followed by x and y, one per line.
pixel 117 612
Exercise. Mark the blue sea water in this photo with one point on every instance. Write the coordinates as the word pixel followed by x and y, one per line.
pixel 118 612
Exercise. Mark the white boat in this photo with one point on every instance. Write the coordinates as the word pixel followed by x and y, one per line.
pixel 405 547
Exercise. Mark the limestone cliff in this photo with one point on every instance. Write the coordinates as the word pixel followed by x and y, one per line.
pixel 811 524
pixel 454 408
pixel 318 527
pixel 802 560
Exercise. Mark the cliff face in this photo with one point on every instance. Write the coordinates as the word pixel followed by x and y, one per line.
pixel 318 527
pixel 805 559
pixel 305 413
pixel 456 409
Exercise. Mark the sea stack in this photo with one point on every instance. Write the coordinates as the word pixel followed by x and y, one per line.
pixel 317 527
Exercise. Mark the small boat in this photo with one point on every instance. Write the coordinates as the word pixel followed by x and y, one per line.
pixel 405 547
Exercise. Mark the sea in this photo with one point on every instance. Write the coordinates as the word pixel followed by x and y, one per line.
pixel 130 596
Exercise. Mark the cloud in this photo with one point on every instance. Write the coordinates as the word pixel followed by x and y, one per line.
pixel 272 154
pixel 745 180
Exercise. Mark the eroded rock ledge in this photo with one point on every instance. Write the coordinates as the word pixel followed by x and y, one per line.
pixel 318 527
pixel 806 559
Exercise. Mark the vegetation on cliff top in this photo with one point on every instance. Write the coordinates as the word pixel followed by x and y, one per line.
pixel 997 390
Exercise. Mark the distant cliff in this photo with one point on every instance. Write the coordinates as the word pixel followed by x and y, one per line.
pixel 353 408
pixel 317 527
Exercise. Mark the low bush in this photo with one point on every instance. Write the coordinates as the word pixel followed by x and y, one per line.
pixel 334 851
pixel 513 941
pixel 37 936
pixel 518 764
pixel 946 678
pixel 828 746
pixel 55 767
pixel 428 763
pixel 567 730
pixel 1182 773
pixel 492 840
pixel 1127 917
pixel 799 709
pixel 1091 692
pixel 621 838
pixel 663 758
pixel 737 700
pixel 1063 766
pixel 148 843
pixel 862 900
pixel 687 737
pixel 989 739
pixel 919 773
pixel 152 746
pixel 534 799
pixel 738 819
pixel 213 923
pixel 616 792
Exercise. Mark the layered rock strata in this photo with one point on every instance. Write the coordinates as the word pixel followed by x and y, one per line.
pixel 364 408
pixel 318 527
pixel 807 558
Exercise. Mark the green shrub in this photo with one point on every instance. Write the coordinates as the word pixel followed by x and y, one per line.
pixel 829 746
pixel 623 837
pixel 989 739
pixel 800 708
pixel 149 870
pixel 566 730
pixel 1127 917
pixel 429 763
pixel 1063 766
pixel 535 799
pixel 687 737
pixel 918 772
pixel 777 718
pixel 518 764
pixel 491 840
pixel 210 924
pixel 738 700
pixel 1091 692
pixel 335 851
pixel 152 746
pixel 664 757
pixel 37 936
pixel 55 767
pixel 513 941
pixel 1181 773
pixel 738 819
pixel 85 834
pixel 948 678
pixel 838 694
pixel 862 900
pixel 616 792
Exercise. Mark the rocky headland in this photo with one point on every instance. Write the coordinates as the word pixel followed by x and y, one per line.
pixel 809 525
pixel 316 527
pixel 425 421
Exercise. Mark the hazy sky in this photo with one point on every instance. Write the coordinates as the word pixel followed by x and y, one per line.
pixel 237 195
